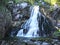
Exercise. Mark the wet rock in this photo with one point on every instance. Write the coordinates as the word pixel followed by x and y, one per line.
pixel 38 42
pixel 3 42
pixel 24 5
pixel 58 43
pixel 19 10
pixel 45 25
pixel 30 43
pixel 45 43
pixel 2 26
pixel 17 17
pixel 15 10
pixel 55 40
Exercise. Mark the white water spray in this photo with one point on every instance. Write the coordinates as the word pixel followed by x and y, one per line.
pixel 32 23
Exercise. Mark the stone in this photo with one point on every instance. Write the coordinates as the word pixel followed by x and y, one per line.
pixel 2 26
pixel 24 5
pixel 5 21
pixel 45 43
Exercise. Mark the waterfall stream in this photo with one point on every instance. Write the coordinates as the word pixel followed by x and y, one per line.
pixel 38 25
pixel 31 24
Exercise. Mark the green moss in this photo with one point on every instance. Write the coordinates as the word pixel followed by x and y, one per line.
pixel 43 39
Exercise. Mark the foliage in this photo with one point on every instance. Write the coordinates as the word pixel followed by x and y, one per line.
pixel 30 1
pixel 18 1
pixel 4 2
pixel 52 2
pixel 57 33
pixel 47 1
pixel 58 2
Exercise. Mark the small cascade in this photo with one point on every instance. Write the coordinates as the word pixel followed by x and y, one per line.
pixel 31 25
pixel 37 25
pixel 34 23
pixel 20 32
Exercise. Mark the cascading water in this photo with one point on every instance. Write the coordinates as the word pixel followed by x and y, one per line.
pixel 37 25
pixel 31 25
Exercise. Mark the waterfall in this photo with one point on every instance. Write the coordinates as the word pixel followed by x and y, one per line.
pixel 34 23
pixel 31 25
pixel 38 25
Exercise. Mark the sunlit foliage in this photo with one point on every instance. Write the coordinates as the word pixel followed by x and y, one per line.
pixel 52 2
pixel 47 1
pixel 30 1
pixel 4 1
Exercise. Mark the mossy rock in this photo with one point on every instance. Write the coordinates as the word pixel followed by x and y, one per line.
pixel 47 39
pixel 5 20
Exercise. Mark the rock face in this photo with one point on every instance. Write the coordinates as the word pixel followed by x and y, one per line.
pixel 5 21
pixel 2 25
pixel 19 14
